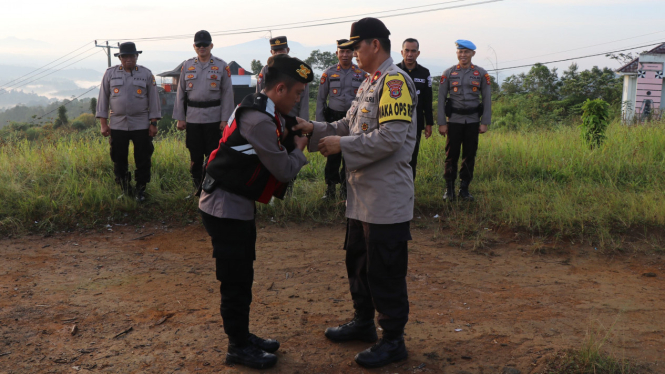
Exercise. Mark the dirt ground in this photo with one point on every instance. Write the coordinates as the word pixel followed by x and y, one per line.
pixel 503 309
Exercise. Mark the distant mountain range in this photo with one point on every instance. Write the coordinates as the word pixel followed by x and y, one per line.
pixel 66 83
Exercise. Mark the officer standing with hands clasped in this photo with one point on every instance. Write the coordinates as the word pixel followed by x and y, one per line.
pixel 467 116
pixel 377 137
pixel 279 45
pixel 204 103
pixel 339 84
pixel 130 91
pixel 423 81
pixel 257 157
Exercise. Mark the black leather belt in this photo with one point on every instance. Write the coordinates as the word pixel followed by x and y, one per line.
pixel 204 104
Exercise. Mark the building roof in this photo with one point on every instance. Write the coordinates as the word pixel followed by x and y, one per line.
pixel 631 67
pixel 234 66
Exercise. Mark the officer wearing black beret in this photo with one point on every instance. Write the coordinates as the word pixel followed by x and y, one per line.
pixel 256 158
pixel 280 45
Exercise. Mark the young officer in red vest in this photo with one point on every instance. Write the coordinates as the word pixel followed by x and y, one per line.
pixel 256 158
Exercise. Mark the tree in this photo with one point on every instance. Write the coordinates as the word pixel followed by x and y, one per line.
pixel 256 66
pixel 93 106
pixel 62 117
pixel 321 60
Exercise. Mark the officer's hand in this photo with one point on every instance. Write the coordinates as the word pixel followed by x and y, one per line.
pixel 301 142
pixel 428 131
pixel 482 129
pixel 443 130
pixel 182 125
pixel 223 124
pixel 330 145
pixel 304 125
pixel 152 131
pixel 106 130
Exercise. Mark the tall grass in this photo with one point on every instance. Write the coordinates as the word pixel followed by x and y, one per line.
pixel 543 181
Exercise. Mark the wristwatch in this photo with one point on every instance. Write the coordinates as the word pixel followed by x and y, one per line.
pixel 309 134
pixel 153 123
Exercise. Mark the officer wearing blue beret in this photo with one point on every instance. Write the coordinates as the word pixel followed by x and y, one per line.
pixel 464 111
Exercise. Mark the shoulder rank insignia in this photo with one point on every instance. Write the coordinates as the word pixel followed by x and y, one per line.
pixel 228 71
pixel 339 67
pixel 323 78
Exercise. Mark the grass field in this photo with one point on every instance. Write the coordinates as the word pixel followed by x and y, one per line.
pixel 544 182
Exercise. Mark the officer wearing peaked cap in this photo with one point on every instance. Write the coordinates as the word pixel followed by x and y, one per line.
pixel 377 137
pixel 129 95
pixel 204 102
pixel 464 111
pixel 339 86
pixel 256 158
pixel 280 45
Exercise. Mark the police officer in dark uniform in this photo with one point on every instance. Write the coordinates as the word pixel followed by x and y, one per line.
pixel 339 86
pixel 204 102
pixel 129 95
pixel 467 116
pixel 423 80
pixel 255 160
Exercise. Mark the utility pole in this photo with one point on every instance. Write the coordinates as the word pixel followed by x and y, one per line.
pixel 107 51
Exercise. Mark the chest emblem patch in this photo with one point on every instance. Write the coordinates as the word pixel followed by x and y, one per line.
pixel 213 85
pixel 476 73
pixel 334 76
pixel 364 110
pixel 455 83
pixel 190 85
pixel 191 68
pixel 395 86
pixel 214 76
pixel 335 91
pixel 190 76
pixel 475 89
pixel 365 127
pixel 139 91
pixel 475 83
pixel 214 68
pixel 115 90
pixel 454 73
pixel 455 89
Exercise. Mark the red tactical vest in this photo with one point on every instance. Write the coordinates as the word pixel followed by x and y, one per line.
pixel 235 167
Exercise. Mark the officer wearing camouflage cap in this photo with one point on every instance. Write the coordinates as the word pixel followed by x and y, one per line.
pixel 462 116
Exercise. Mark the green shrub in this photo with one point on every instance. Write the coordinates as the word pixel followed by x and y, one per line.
pixel 594 122
pixel 79 125
pixel 88 120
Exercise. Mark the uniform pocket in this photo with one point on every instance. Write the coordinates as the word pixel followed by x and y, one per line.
pixel 335 88
pixel 139 88
pixel 116 87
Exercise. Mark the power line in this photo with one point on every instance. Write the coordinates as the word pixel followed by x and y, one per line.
pixel 591 46
pixel 575 58
pixel 65 104
pixel 66 66
pixel 60 58
pixel 299 25
pixel 15 85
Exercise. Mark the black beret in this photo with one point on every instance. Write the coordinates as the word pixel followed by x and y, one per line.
pixel 341 42
pixel 291 66
pixel 367 28
pixel 202 37
pixel 278 42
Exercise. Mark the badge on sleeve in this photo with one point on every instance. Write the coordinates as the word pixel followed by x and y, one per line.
pixel 323 78
pixel 488 79
pixel 228 71
pixel 443 79
pixel 395 103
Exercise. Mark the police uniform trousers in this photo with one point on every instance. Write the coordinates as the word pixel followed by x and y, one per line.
pixel 234 243
pixel 143 149
pixel 464 136
pixel 201 139
pixel 416 150
pixel 376 264
pixel 332 172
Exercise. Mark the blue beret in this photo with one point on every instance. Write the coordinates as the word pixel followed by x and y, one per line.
pixel 465 44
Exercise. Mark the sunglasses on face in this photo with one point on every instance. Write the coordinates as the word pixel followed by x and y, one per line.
pixel 127 57
pixel 202 45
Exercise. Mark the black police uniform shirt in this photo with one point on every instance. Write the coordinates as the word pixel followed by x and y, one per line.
pixel 423 81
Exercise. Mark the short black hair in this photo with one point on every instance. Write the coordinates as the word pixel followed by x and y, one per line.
pixel 275 76
pixel 384 42
pixel 411 40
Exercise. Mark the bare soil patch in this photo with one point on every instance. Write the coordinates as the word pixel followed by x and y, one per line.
pixel 151 305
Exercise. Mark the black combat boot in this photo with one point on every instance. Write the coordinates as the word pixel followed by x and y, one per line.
pixel 268 345
pixel 358 328
pixel 464 191
pixel 250 355
pixel 331 191
pixel 140 193
pixel 383 353
pixel 450 191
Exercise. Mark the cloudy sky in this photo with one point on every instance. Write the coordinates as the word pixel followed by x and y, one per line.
pixel 519 31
